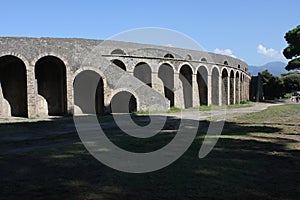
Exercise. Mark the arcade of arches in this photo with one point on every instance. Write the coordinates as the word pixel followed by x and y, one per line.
pixel 187 87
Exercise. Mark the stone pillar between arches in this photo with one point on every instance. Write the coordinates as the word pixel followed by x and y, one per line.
pixel 31 93
pixel 209 95
pixel 178 92
pixel 196 98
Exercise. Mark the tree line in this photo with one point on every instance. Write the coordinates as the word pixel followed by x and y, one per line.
pixel 277 87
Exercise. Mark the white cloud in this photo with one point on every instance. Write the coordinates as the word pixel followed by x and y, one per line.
pixel 227 52
pixel 271 53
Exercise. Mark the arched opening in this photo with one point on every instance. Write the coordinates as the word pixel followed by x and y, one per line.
pixel 118 52
pixel 166 74
pixel 168 55
pixel 239 66
pixel 215 86
pixel 13 81
pixel 50 73
pixel 119 63
pixel 188 57
pixel 224 87
pixel 232 87
pixel 225 62
pixel 123 102
pixel 203 60
pixel 202 76
pixel 237 88
pixel 143 72
pixel 186 77
pixel 89 92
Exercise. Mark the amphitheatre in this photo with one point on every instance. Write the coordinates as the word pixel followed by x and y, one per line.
pixel 58 77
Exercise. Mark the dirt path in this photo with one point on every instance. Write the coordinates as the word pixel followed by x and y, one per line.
pixel 221 113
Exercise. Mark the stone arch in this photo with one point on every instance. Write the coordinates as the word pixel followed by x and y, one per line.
pixel 118 52
pixel 120 64
pixel 225 62
pixel 225 86
pixel 188 57
pixel 185 64
pixel 51 54
pixel 96 70
pixel 119 98
pixel 19 56
pixel 202 78
pixel 231 87
pixel 215 77
pixel 143 72
pixel 88 92
pixel 186 77
pixel 168 55
pixel 13 79
pixel 203 60
pixel 237 87
pixel 50 73
pixel 166 74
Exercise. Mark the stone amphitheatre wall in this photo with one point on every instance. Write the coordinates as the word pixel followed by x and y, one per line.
pixel 50 76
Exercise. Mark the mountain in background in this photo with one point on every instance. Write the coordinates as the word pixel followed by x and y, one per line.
pixel 275 68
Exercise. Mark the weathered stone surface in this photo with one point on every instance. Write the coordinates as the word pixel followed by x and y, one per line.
pixel 78 55
pixel 42 106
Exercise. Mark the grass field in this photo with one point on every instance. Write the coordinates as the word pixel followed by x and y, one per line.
pixel 256 157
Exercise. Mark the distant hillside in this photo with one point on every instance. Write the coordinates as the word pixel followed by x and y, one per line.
pixel 275 68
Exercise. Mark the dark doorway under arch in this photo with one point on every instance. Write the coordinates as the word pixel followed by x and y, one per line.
pixel 224 87
pixel 168 55
pixel 50 73
pixel 143 72
pixel 89 92
pixel 118 52
pixel 186 77
pixel 202 76
pixel 166 74
pixel 13 81
pixel 215 86
pixel 123 102
pixel 232 87
pixel 237 88
pixel 119 63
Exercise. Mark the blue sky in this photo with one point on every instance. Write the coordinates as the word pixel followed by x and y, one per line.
pixel 250 30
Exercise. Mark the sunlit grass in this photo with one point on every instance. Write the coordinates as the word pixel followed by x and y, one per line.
pixel 289 113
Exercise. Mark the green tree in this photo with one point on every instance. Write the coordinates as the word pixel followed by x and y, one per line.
pixel 291 81
pixel 273 86
pixel 292 51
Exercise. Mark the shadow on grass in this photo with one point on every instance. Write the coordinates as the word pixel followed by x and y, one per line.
pixel 237 168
